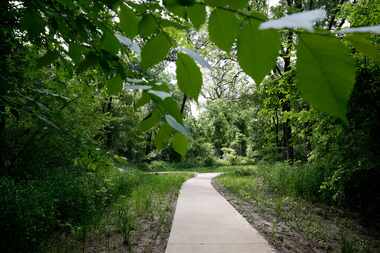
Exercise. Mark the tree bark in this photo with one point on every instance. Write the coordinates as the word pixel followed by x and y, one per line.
pixel 108 128
pixel 288 150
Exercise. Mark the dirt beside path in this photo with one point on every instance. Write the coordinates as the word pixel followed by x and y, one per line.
pixel 286 239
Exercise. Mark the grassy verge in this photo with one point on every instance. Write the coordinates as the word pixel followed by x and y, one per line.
pixel 279 201
pixel 139 220
pixel 161 166
pixel 77 210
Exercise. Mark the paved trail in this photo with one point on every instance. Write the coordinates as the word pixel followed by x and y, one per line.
pixel 204 222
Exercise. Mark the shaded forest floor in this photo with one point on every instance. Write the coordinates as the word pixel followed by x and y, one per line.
pixel 293 224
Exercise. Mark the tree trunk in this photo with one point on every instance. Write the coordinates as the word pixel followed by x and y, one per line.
pixel 288 151
pixel 109 128
pixel 277 130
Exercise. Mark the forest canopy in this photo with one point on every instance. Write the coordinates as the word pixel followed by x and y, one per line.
pixel 107 36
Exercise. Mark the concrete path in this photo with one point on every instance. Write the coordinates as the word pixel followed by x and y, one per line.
pixel 204 222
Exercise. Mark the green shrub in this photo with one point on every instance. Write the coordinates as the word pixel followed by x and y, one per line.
pixel 229 155
pixel 297 180
pixel 159 166
pixel 245 171
pixel 27 216
pixel 65 201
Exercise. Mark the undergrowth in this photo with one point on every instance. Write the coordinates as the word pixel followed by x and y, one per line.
pixel 293 195
pixel 66 207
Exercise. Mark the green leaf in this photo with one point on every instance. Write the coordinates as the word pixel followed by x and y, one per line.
pixel 114 85
pixel 155 50
pixel 33 22
pixel 160 94
pixel 162 86
pixel 197 15
pixel 174 7
pixel 162 137
pixel 47 121
pixel 143 100
pixel 223 28
pixel 233 4
pixel 325 73
pixel 258 50
pixel 89 61
pixel 147 25
pixel 149 122
pixel 189 77
pixel 171 107
pixel 128 21
pixel 180 144
pixel 47 59
pixel 186 2
pixel 109 42
pixel 75 52
pixel 364 46
pixel 175 125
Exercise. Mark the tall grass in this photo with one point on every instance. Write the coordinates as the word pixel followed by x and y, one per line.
pixel 280 178
pixel 288 193
pixel 36 214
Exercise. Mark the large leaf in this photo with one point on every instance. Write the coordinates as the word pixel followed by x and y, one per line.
pixel 185 2
pixel 137 87
pixel 109 42
pixel 189 77
pixel 47 58
pixel 258 50
pixel 128 21
pixel 171 107
pixel 223 28
pixel 143 100
pixel 197 15
pixel 89 61
pixel 147 25
pixel 175 7
pixel 325 73
pixel 161 94
pixel 196 56
pixel 33 22
pixel 155 50
pixel 162 136
pixel 150 121
pixel 129 43
pixel 364 46
pixel 175 125
pixel 180 144
pixel 114 85
pixel 233 4
pixel 75 52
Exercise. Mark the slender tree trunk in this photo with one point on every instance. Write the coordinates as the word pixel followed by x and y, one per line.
pixel 307 143
pixel 108 128
pixel 288 151
pixel 277 130
pixel 333 16
pixel 148 146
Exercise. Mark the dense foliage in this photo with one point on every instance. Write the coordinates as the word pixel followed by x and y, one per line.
pixel 274 123
pixel 88 86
